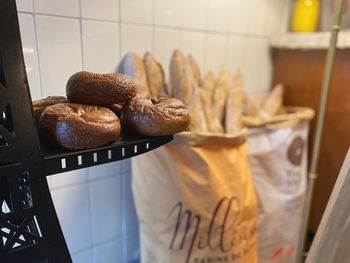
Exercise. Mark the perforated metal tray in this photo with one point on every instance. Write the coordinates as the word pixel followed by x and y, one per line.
pixel 60 160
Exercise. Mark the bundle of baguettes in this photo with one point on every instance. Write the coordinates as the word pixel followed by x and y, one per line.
pixel 215 105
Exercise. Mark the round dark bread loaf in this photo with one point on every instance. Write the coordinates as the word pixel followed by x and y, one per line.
pixel 40 105
pixel 99 89
pixel 156 116
pixel 79 126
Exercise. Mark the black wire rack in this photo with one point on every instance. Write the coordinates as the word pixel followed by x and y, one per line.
pixel 29 227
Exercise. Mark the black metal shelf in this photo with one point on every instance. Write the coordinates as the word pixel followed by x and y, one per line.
pixel 58 160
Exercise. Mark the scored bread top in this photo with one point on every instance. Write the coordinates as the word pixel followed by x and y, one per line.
pixel 155 75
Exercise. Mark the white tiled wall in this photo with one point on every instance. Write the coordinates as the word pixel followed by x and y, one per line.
pixel 100 36
pixel 61 37
pixel 96 211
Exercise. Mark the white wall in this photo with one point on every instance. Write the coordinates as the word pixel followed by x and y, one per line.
pixel 61 37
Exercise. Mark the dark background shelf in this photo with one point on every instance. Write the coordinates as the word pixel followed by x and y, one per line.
pixel 60 160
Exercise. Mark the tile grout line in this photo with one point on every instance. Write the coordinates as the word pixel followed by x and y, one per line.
pixel 56 15
pixel 37 50
pixel 81 37
pixel 227 34
pixel 223 33
pixel 108 176
pixel 205 44
pixel 122 174
pixel 124 230
pixel 120 31
pixel 179 28
pixel 87 171
pixel 204 66
pixel 90 219
pixel 98 244
pixel 153 26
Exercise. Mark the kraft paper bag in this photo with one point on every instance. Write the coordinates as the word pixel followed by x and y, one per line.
pixel 195 201
pixel 277 154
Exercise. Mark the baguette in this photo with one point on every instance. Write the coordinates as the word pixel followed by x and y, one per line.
pixel 209 84
pixel 176 69
pixel 155 76
pixel 250 108
pixel 220 94
pixel 234 104
pixel 195 69
pixel 271 105
pixel 181 78
pixel 195 108
pixel 188 84
pixel 213 124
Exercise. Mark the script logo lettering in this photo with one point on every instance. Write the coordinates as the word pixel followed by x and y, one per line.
pixel 180 217
pixel 226 213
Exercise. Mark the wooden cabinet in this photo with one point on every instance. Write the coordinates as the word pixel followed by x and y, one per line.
pixel 301 71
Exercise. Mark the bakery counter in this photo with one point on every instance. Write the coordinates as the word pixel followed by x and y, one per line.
pixel 61 160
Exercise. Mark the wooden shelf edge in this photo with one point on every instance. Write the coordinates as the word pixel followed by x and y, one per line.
pixel 309 41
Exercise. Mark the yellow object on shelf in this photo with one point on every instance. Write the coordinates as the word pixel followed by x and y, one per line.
pixel 306 15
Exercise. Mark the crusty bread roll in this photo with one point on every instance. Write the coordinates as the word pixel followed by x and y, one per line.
pixel 155 76
pixel 40 105
pixel 234 104
pixel 132 65
pixel 213 124
pixel 271 105
pixel 99 89
pixel 195 69
pixel 220 93
pixel 79 126
pixel 156 116
pixel 209 84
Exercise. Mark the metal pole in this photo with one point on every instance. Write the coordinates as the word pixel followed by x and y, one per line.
pixel 319 128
